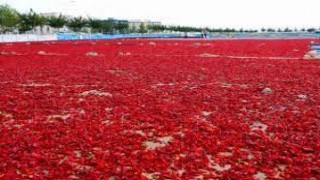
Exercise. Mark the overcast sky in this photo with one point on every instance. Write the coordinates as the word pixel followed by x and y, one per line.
pixel 204 13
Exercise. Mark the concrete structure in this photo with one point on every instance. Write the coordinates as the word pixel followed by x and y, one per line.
pixel 135 24
pixel 49 30
pixel 27 37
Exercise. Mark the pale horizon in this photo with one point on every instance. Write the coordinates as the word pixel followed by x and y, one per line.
pixel 247 14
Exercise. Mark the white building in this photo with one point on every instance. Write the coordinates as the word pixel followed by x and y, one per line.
pixel 135 24
pixel 46 29
pixel 49 30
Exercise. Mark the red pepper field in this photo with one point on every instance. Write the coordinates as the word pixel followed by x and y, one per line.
pixel 159 109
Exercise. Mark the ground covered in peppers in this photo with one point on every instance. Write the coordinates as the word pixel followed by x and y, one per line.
pixel 159 109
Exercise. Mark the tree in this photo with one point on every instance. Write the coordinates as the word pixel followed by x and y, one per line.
pixel 107 26
pixel 9 18
pixel 133 29
pixel 142 28
pixel 122 27
pixel 95 24
pixel 157 28
pixel 287 30
pixel 77 23
pixel 271 30
pixel 57 21
pixel 41 21
pixel 28 21
pixel 311 30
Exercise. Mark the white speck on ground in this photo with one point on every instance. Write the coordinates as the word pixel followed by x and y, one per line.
pixel 302 97
pixel 277 108
pixel 206 55
pixel 206 113
pixel 225 85
pixel 311 55
pixel 259 126
pixel 96 92
pixel 181 134
pixel 108 109
pixel 42 53
pixel 150 145
pixel 166 139
pixel 226 154
pixel 77 153
pixel 181 171
pixel 140 132
pixel 267 90
pixel 260 176
pixel 106 122
pixel 222 168
pixel 73 177
pixel 64 117
pixel 216 166
pixel 150 176
pixel 250 156
pixel 81 100
pixel 279 170
pixel 6 115
pixel 92 54
pixel 162 84
pixel 36 85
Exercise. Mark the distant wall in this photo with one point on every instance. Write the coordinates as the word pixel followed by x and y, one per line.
pixel 71 36
pixel 27 37
pixel 80 36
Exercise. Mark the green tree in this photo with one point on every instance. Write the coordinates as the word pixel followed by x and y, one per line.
pixel 311 30
pixel 57 21
pixel 77 23
pixel 9 18
pixel 95 24
pixel 122 27
pixel 271 30
pixel 133 29
pixel 157 28
pixel 28 21
pixel 107 26
pixel 142 28
pixel 287 30
pixel 41 21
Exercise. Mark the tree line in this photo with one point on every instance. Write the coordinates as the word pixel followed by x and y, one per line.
pixel 11 20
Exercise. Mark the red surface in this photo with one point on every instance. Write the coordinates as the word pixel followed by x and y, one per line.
pixel 67 115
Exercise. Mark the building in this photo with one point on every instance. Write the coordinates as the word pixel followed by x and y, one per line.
pixel 117 21
pixel 46 29
pixel 49 30
pixel 55 14
pixel 135 24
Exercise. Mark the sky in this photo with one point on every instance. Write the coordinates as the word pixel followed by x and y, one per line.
pixel 247 14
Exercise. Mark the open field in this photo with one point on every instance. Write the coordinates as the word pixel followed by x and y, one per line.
pixel 159 109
